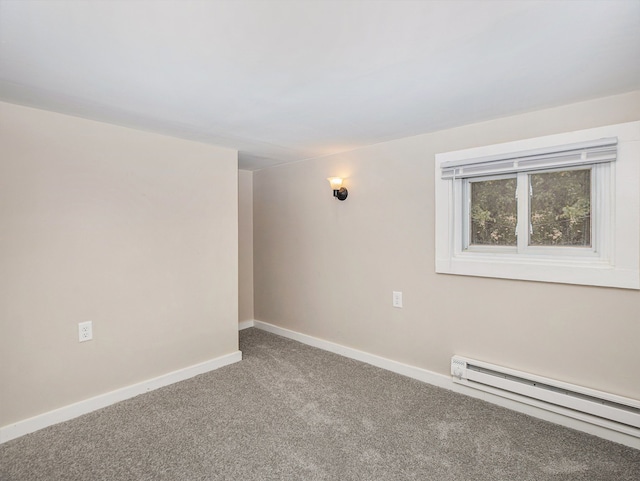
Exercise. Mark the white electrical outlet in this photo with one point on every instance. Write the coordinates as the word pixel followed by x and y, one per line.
pixel 397 299
pixel 85 331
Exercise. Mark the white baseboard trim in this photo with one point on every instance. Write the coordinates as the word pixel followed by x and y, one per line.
pixel 443 381
pixel 71 411
pixel 245 324
pixel 384 363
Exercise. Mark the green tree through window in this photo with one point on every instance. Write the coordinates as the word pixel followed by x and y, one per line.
pixel 494 212
pixel 560 208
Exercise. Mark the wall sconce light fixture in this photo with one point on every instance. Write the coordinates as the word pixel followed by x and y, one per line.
pixel 339 192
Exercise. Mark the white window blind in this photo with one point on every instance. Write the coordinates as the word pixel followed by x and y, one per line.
pixel 569 155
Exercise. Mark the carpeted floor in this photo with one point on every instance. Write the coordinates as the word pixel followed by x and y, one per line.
pixel 292 412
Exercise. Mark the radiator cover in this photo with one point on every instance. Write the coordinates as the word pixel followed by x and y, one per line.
pixel 604 409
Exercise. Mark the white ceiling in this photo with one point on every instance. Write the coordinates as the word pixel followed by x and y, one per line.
pixel 282 81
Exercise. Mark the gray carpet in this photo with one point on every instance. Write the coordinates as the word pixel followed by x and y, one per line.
pixel 292 412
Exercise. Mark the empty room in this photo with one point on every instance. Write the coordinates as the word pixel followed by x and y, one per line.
pixel 320 240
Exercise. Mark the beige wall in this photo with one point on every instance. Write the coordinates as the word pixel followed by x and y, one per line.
pixel 327 268
pixel 134 231
pixel 245 245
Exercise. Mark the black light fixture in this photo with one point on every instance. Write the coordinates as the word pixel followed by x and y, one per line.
pixel 339 192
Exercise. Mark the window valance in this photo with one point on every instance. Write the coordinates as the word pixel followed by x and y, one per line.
pixel 563 156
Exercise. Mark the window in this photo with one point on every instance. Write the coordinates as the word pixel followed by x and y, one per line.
pixel 560 208
pixel 555 211
pixel 563 208
pixel 492 214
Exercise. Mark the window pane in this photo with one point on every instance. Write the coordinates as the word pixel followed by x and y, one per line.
pixel 561 208
pixel 493 212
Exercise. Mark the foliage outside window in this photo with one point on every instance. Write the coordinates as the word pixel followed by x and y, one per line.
pixel 494 212
pixel 559 210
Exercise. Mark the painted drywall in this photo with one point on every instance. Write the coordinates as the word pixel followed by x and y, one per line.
pixel 327 268
pixel 134 231
pixel 245 245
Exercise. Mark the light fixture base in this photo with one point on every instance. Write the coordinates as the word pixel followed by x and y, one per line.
pixel 341 194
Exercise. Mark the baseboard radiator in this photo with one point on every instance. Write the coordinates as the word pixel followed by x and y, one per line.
pixel 596 407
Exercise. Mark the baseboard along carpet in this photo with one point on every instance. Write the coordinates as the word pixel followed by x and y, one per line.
pixel 289 411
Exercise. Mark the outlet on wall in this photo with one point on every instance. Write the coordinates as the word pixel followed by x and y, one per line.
pixel 85 331
pixel 397 299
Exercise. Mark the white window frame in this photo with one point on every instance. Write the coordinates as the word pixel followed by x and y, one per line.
pixel 613 260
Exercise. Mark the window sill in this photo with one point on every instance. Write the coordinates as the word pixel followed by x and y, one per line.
pixel 579 271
